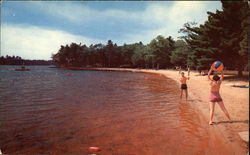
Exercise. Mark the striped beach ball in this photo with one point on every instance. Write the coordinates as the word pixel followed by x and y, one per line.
pixel 218 66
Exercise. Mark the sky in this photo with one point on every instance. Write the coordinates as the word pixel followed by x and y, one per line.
pixel 37 29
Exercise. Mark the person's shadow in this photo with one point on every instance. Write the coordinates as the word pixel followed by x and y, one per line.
pixel 239 121
pixel 241 86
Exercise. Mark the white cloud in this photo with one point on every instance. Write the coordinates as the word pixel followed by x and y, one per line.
pixel 169 19
pixel 187 10
pixel 31 42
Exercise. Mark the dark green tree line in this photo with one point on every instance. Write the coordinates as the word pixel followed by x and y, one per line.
pixel 16 60
pixel 155 54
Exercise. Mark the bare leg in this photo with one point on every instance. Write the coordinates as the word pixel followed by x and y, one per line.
pixel 212 105
pixel 186 91
pixel 181 93
pixel 221 104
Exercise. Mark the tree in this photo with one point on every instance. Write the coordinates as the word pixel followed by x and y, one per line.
pixel 161 48
pixel 110 50
pixel 72 55
pixel 138 57
pixel 179 55
pixel 127 52
pixel 235 16
pixel 101 58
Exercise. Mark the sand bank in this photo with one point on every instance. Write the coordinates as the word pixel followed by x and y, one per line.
pixel 236 100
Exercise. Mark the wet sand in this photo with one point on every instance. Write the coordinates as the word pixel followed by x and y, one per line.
pixel 236 100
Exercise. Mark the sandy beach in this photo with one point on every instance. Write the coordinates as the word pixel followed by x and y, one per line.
pixel 236 99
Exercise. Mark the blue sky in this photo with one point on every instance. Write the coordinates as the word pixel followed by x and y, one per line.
pixel 36 29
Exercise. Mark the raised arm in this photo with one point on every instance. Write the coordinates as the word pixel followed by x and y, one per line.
pixel 222 75
pixel 188 73
pixel 209 73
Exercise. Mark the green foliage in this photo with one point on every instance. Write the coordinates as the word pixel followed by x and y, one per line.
pixel 111 55
pixel 72 55
pixel 179 56
pixel 16 60
pixel 138 58
pixel 161 49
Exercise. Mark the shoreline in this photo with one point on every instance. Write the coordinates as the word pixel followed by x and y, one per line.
pixel 198 88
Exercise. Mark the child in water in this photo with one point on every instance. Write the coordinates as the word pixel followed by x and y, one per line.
pixel 183 82
pixel 215 84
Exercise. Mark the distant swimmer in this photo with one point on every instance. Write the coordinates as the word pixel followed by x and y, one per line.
pixel 214 97
pixel 68 74
pixel 183 82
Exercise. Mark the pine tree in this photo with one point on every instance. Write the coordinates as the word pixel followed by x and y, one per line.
pixel 224 37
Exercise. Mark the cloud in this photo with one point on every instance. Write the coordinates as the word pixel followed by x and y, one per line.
pixel 164 18
pixel 169 19
pixel 159 12
pixel 157 18
pixel 32 42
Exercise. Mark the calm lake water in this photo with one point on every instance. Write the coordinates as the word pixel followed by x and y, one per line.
pixel 52 111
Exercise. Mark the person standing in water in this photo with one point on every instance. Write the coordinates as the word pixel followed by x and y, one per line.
pixel 183 82
pixel 214 97
pixel 23 67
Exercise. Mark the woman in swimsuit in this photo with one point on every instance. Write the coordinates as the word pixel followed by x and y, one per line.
pixel 215 84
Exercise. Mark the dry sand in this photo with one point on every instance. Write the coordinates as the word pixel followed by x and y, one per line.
pixel 236 100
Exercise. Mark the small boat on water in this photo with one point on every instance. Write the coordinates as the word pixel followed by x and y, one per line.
pixel 20 69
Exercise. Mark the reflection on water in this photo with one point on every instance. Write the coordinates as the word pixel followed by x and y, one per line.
pixel 56 111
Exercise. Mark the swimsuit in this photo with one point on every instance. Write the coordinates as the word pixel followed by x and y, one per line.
pixel 183 86
pixel 215 97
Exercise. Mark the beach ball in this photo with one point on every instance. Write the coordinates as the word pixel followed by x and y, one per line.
pixel 218 66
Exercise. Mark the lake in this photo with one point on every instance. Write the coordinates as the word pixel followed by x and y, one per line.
pixel 54 111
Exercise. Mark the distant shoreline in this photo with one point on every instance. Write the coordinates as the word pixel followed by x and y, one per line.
pixel 229 72
pixel 104 69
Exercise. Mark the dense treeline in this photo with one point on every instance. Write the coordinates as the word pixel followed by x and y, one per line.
pixel 224 37
pixel 155 54
pixel 16 60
